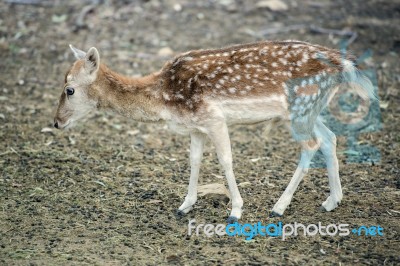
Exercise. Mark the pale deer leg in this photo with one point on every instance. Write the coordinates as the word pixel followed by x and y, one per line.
pixel 220 137
pixel 307 152
pixel 328 148
pixel 196 153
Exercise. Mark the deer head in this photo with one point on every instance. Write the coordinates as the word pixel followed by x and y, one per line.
pixel 77 97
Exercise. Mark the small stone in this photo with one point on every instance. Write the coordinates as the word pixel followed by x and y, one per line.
pixel 177 7
pixel 165 51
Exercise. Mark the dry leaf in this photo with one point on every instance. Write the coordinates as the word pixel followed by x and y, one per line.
pixel 48 143
pixel 217 176
pixel 46 130
pixel 274 5
pixel 154 201
pixel 214 188
pixel 383 104
pixel 72 141
pixel 244 184
pixel 132 132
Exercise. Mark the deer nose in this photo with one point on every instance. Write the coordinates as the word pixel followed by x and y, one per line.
pixel 55 124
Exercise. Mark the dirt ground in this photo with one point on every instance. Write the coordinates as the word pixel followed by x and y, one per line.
pixel 105 192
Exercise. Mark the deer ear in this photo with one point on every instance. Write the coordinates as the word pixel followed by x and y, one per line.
pixel 79 54
pixel 92 60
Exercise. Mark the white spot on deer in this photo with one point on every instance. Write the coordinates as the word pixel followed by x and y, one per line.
pixel 305 57
pixel 273 54
pixel 179 96
pixel 236 66
pixel 242 92
pixel 303 83
pixel 221 81
pixel 166 96
pixel 225 54
pixel 248 87
pixel 238 77
pixel 263 51
pixel 232 90
pixel 299 63
pixel 274 64
pixel 280 52
pixel 283 61
pixel 173 77
pixel 217 86
pixel 230 70
pixel 247 76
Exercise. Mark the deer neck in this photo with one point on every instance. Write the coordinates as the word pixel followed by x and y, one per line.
pixel 136 98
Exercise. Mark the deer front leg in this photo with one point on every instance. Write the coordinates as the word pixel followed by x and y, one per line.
pixel 196 153
pixel 220 137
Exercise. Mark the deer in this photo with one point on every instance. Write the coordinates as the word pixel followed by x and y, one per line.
pixel 202 92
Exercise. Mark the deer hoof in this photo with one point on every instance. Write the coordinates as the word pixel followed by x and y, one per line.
pixel 231 220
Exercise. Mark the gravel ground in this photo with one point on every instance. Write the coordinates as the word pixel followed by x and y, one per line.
pixel 106 191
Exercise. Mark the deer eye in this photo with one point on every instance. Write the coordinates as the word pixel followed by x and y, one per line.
pixel 70 91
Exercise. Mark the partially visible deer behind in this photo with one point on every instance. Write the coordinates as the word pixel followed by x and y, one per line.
pixel 203 92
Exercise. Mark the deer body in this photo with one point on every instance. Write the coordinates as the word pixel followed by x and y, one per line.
pixel 203 92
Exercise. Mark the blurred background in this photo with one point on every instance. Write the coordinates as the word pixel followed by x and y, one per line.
pixel 105 192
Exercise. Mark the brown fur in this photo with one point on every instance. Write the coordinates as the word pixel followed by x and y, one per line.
pixel 191 76
pixel 249 70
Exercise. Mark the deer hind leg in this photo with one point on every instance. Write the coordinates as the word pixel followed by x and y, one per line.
pixel 309 146
pixel 196 154
pixel 328 148
pixel 220 137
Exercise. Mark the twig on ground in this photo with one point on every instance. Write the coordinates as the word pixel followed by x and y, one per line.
pixel 30 2
pixel 80 20
pixel 353 35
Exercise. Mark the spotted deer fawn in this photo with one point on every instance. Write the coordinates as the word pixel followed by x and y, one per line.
pixel 202 92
